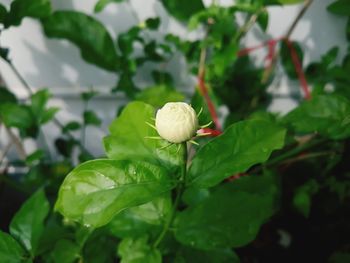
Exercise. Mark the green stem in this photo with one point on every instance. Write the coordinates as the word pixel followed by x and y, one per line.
pixel 290 154
pixel 179 191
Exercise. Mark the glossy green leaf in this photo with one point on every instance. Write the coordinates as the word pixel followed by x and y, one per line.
pixel 65 251
pixel 187 255
pixel 28 223
pixel 101 4
pixel 10 250
pixel 95 191
pixel 287 61
pixel 27 8
pixel 95 43
pixel 246 143
pixel 90 118
pixel 157 96
pixel 138 251
pixel 128 139
pixel 230 217
pixel 328 115
pixel 340 7
pixel 142 219
pixel 182 9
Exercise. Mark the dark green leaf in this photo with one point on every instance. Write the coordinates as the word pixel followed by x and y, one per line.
pixel 95 191
pixel 263 20
pixel 231 216
pixel 193 196
pixel 340 7
pixel 330 56
pixel 127 85
pixel 153 23
pixel 4 52
pixel 86 96
pixel 27 8
pixel 71 126
pixel 290 2
pixel 6 96
pixel 39 101
pixel 158 95
pixel 138 251
pixel 28 223
pixel 10 250
pixel 95 43
pixel 162 77
pixel 287 61
pixel 303 196
pixel 100 241
pixel 101 4
pixel 182 9
pixel 35 156
pixel 128 139
pixel 90 118
pixel 246 143
pixel 328 115
pixel 3 13
pixel 65 251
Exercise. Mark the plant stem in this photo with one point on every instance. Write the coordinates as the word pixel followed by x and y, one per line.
pixel 289 154
pixel 179 191
pixel 248 24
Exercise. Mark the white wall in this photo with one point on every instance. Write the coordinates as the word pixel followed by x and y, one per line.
pixel 57 64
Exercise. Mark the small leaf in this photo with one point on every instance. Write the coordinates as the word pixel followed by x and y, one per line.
pixel 160 78
pixel 263 20
pixel 14 115
pixel 231 216
pixel 138 251
pixel 328 115
pixel 287 61
pixel 187 254
pixel 153 23
pixel 48 114
pixel 10 250
pixel 86 96
pixel 3 13
pixel 246 143
pixel 340 7
pixel 28 223
pixel 95 191
pixel 27 8
pixel 34 157
pixel 39 101
pixel 90 118
pixel 95 43
pixel 128 139
pixel 71 126
pixel 182 9
pixel 157 96
pixel 101 4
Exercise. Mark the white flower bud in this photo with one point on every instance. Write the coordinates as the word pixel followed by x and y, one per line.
pixel 176 122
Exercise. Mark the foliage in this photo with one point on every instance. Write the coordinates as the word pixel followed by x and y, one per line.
pixel 147 200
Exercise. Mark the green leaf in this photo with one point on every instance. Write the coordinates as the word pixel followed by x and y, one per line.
pixel 128 139
pixel 158 95
pixel 138 251
pixel 340 7
pixel 246 143
pixel 6 96
pixel 65 251
pixel 95 191
pixel 27 8
pixel 101 4
pixel 86 96
pixel 10 250
pixel 187 254
pixel 303 196
pixel 100 241
pixel 3 13
pixel 48 114
pixel 14 115
pixel 71 126
pixel 263 20
pixel 28 223
pixel 39 101
pixel 95 43
pixel 328 115
pixel 287 61
pixel 35 156
pixel 182 9
pixel 153 23
pixel 90 118
pixel 162 77
pixel 231 216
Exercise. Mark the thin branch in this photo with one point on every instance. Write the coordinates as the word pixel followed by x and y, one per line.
pixel 248 24
pixel 17 142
